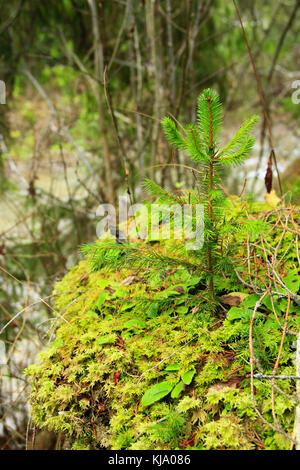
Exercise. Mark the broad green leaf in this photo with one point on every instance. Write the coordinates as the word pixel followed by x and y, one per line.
pixel 120 292
pixel 101 299
pixel 172 368
pixel 267 302
pixel 135 323
pixel 90 313
pixel 182 309
pixel 177 390
pixel 284 304
pixel 103 283
pixel 193 280
pixel 109 317
pixel 187 377
pixel 236 312
pixel 250 301
pixel 157 392
pixel 239 313
pixel 292 281
pixel 153 310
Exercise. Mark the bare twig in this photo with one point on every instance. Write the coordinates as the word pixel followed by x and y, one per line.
pixel 261 97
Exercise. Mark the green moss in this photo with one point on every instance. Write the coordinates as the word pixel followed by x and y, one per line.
pixel 111 346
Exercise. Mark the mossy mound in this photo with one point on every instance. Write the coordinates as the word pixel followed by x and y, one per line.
pixel 147 363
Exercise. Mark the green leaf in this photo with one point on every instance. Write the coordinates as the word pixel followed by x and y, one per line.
pixel 109 317
pixel 172 368
pixel 103 283
pixel 152 310
pixel 182 309
pixel 92 314
pixel 241 313
pixel 267 302
pixel 187 377
pixel 250 301
pixel 177 390
pixel 157 392
pixel 292 281
pixel 101 299
pixel 193 280
pixel 135 323
pixel 235 313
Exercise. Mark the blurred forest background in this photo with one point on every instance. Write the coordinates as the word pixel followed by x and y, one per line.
pixel 87 83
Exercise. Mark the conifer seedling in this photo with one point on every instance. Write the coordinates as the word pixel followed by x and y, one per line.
pixel 200 142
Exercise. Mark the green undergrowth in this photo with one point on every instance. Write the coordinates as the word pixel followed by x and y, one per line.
pixel 145 361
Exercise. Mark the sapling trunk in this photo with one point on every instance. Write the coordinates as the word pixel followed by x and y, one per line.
pixel 210 207
pixel 209 250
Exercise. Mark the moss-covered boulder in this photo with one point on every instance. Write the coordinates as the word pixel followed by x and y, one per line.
pixel 147 362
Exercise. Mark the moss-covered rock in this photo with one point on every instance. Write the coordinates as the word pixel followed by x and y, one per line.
pixel 148 363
